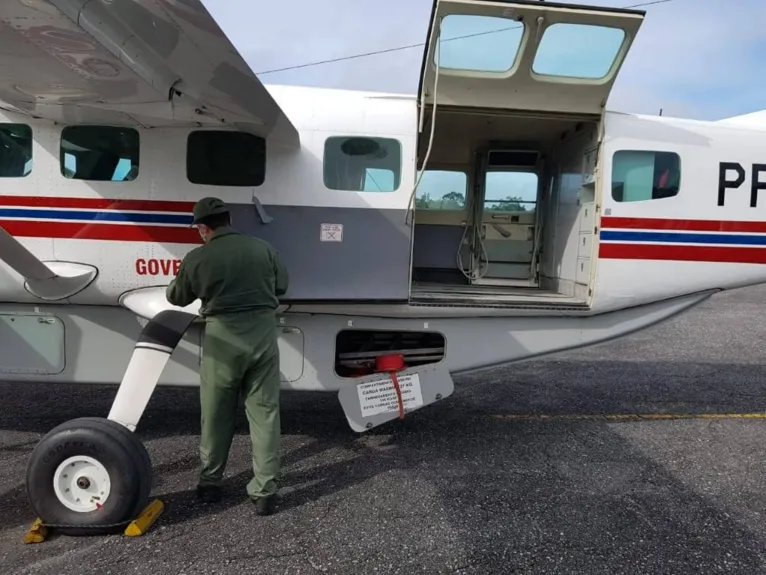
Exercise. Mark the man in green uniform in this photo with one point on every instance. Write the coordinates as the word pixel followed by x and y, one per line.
pixel 237 278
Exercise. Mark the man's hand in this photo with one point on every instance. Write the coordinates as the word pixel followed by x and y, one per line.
pixel 180 292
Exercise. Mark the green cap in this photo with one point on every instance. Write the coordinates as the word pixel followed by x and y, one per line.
pixel 208 207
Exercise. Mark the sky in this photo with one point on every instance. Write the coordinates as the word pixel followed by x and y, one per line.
pixel 703 59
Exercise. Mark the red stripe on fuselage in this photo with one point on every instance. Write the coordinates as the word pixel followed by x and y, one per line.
pixel 97 204
pixel 682 225
pixel 107 232
pixel 707 254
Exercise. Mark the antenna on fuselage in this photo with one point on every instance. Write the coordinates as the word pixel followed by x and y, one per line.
pixel 660 108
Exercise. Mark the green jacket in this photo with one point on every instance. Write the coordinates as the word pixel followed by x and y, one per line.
pixel 230 273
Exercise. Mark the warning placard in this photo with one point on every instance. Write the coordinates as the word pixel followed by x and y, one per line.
pixel 331 233
pixel 380 396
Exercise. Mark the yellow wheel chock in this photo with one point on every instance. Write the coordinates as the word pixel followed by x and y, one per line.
pixel 37 533
pixel 146 519
pixel 139 526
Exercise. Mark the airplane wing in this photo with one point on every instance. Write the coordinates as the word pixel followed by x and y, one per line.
pixel 152 63
pixel 752 120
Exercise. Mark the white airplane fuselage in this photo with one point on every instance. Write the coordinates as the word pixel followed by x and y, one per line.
pixel 611 267
pixel 498 215
pixel 613 223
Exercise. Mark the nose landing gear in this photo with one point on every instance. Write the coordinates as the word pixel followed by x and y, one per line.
pixel 89 476
pixel 92 475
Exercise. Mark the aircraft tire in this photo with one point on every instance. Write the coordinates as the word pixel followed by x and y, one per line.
pixel 109 462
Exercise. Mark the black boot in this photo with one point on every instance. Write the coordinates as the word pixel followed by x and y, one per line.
pixel 209 493
pixel 265 505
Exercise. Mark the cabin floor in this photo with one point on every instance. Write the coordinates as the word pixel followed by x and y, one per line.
pixel 426 292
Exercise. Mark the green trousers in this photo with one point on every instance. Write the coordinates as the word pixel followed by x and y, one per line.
pixel 240 356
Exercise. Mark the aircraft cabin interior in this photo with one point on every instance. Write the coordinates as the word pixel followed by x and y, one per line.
pixel 511 105
pixel 497 205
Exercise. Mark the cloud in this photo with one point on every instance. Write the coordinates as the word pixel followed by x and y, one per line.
pixel 692 58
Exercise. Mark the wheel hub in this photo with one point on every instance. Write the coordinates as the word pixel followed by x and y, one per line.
pixel 82 484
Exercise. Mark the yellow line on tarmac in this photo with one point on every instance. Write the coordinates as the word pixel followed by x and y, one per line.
pixel 625 416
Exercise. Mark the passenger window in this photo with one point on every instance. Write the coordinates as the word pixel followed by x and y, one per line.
pixel 478 43
pixel 15 150
pixel 225 158
pixel 641 175
pixel 510 191
pixel 578 51
pixel 441 190
pixel 361 164
pixel 99 153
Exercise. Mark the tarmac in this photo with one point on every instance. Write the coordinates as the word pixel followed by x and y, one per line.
pixel 643 455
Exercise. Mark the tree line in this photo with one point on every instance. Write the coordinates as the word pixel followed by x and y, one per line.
pixel 456 201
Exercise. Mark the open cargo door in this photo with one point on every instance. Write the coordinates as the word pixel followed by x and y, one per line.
pixel 532 56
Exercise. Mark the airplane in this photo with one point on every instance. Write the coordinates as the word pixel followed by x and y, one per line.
pixel 499 214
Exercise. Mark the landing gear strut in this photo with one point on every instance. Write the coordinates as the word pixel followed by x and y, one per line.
pixel 92 475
